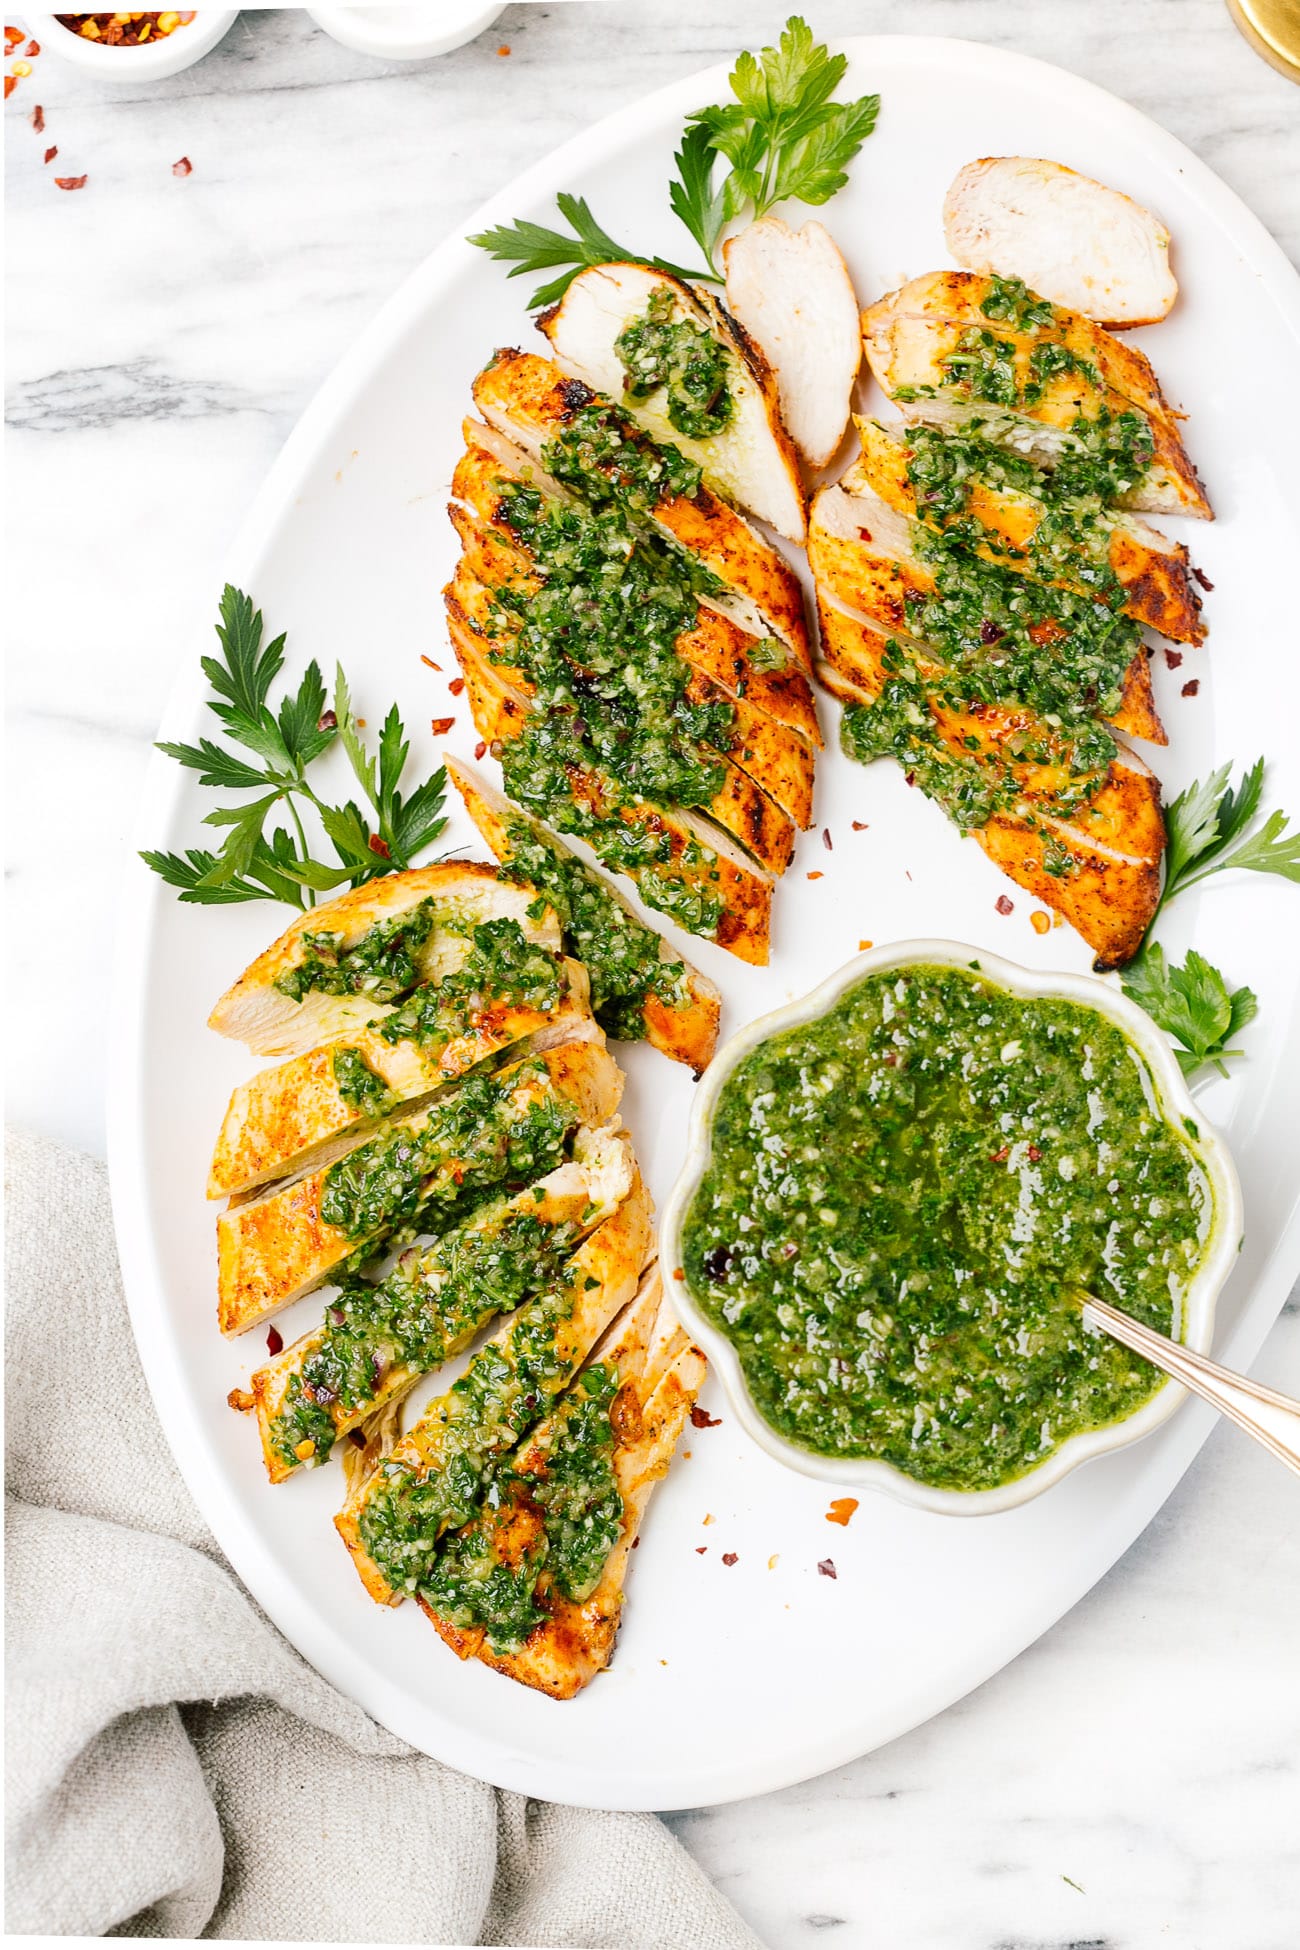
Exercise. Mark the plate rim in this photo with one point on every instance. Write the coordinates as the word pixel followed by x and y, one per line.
pixel 151 1312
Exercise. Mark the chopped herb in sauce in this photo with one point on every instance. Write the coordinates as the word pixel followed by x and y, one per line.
pixel 433 1302
pixel 569 1509
pixel 904 1202
pixel 503 969
pixel 358 1085
pixel 384 963
pixel 681 358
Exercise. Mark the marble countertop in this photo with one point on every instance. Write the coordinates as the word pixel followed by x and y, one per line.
pixel 1131 1780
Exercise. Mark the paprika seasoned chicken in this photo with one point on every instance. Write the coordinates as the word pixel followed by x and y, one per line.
pixel 955 348
pixel 555 1532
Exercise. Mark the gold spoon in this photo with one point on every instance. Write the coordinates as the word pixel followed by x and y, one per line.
pixel 1273 1419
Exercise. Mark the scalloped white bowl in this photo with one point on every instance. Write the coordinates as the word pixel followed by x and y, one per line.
pixel 1176 1102
pixel 129 66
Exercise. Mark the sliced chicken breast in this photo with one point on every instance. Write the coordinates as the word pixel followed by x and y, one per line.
pixel 508 1388
pixel 863 553
pixel 298 1115
pixel 659 1375
pixel 533 404
pixel 750 458
pixel 791 292
pixel 680 1016
pixel 1010 521
pixel 1082 245
pixel 690 870
pixel 454 1286
pixel 369 947
pixel 283 1242
pixel 947 360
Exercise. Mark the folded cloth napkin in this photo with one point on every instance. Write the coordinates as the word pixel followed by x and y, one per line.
pixel 173 1768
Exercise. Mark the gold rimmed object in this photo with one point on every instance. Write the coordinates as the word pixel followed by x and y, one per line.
pixel 1273 29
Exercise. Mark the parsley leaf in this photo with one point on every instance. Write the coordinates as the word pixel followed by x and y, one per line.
pixel 1192 1004
pixel 1204 822
pixel 253 863
pixel 782 137
pixel 531 247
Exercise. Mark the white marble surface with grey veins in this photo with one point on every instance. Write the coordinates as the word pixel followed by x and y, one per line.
pixel 1133 1779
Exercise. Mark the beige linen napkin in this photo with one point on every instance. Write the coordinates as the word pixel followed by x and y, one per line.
pixel 173 1767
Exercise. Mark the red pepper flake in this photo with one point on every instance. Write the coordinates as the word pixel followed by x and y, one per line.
pixel 1039 921
pixel 860 826
pixel 69 182
pixel 274 1341
pixel 910 777
pixel 678 1274
pixel 1190 689
pixel 33 48
pixel 480 748
pixel 1000 1157
pixel 701 1419
pixel 730 1557
pixel 503 50
pixel 700 1549
pixel 379 846
pixel 1173 658
pixel 10 85
pixel 842 1508
pixel 1046 631
pixel 38 119
pixel 827 1567
pixel 1033 1153
pixel 864 945
pixel 441 726
pixel 456 686
pixel 826 839
pixel 1203 579
pixel 50 154
pixel 327 721
pixel 183 168
pixel 12 37
pixel 864 534
pixel 1005 904
pixel 817 874
pixel 432 665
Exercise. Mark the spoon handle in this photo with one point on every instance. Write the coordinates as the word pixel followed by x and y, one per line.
pixel 1273 1419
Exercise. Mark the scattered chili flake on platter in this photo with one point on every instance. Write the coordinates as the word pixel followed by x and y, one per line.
pixel 729 1558
pixel 863 945
pixel 861 826
pixel 826 838
pixel 1192 687
pixel 38 119
pixel 701 1419
pixel 274 1341
pixel 480 748
pixel 817 874
pixel 842 1508
pixel 50 154
pixel 183 168
pixel 1005 904
pixel 441 726
pixel 827 1567
pixel 456 686
pixel 1173 657
pixel 70 182
pixel 1039 921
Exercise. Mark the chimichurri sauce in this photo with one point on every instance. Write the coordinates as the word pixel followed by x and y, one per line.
pixel 685 360
pixel 904 1201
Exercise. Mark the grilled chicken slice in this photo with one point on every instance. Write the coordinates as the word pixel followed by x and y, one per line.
pixel 278 1245
pixel 431 1481
pixel 369 947
pixel 1056 374
pixel 1016 529
pixel 759 676
pixel 750 458
pixel 638 985
pixel 1097 864
pixel 791 293
pixel 864 555
pixel 564 425
pixel 377 1341
pixel 1079 243
pixel 312 1108
pixel 690 869
pixel 646 1357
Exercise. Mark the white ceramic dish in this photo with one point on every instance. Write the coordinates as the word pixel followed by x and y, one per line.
pixel 1176 1102
pixel 720 1687
pixel 129 66
pixel 406 33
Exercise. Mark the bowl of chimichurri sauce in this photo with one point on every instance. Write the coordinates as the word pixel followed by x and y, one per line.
pixel 897 1191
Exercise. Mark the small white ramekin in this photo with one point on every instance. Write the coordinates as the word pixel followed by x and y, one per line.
pixel 127 66
pixel 406 33
pixel 1176 1101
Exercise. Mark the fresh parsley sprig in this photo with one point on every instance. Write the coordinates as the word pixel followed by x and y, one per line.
pixel 1192 1004
pixel 531 247
pixel 782 138
pixel 253 863
pixel 1207 834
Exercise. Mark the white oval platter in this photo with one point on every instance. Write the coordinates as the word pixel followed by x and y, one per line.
pixel 729 1679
